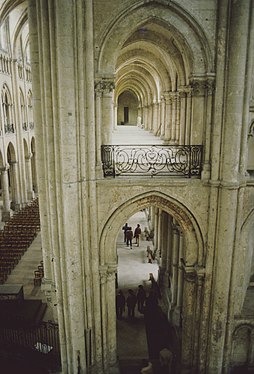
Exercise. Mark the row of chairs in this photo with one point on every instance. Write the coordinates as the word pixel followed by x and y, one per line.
pixel 38 274
pixel 16 236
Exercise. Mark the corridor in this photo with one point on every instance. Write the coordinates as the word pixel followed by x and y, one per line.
pixel 133 270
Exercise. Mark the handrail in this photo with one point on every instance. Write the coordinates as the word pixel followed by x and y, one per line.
pixel 152 160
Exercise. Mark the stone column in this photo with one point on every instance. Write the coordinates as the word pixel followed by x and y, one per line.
pixel 164 239
pixel 145 119
pixel 199 311
pixel 5 193
pixel 188 117
pixel 180 273
pixel 198 109
pixel 98 105
pixel 168 114
pixel 209 90
pixel 159 230
pixel 155 125
pixel 226 254
pixel 155 225
pixel 115 116
pixel 175 257
pixel 182 125
pixel 104 322
pixel 169 246
pixel 188 318
pixel 158 132
pixel 30 192
pixel 106 86
pixel 111 323
pixel 15 195
pixel 178 115
pixel 150 117
pixel 251 350
pixel 34 172
pixel 162 117
pixel 173 117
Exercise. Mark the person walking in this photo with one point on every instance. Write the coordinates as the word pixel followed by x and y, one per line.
pixel 131 302
pixel 120 304
pixel 149 255
pixel 141 297
pixel 125 228
pixel 129 237
pixel 137 233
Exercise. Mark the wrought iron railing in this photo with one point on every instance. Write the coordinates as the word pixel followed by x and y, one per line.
pixel 43 339
pixel 152 160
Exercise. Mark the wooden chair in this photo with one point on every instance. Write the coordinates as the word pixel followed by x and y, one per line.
pixel 37 278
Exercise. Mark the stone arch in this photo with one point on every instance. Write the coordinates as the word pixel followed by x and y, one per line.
pixel 194 255
pixel 194 45
pixel 193 259
pixel 7 108
pixel 242 345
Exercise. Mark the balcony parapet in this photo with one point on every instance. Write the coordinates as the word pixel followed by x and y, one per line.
pixel 152 160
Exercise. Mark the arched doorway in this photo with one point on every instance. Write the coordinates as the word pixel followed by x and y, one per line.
pixel 127 109
pixel 192 259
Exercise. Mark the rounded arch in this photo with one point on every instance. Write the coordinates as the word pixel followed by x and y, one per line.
pixel 194 255
pixel 194 46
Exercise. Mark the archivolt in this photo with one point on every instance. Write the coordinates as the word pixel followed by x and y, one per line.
pixel 193 238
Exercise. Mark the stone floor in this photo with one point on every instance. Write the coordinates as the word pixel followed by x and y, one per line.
pixel 134 135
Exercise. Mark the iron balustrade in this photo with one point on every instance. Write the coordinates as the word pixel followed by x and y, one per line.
pixel 152 160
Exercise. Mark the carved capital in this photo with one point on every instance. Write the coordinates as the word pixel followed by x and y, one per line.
pixel 202 87
pixel 104 86
pixel 4 168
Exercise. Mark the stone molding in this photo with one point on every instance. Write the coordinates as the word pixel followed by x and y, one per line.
pixel 107 273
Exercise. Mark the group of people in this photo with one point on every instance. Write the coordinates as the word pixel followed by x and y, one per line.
pixel 129 235
pixel 131 301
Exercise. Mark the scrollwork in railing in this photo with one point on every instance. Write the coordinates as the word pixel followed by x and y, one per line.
pixel 152 160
